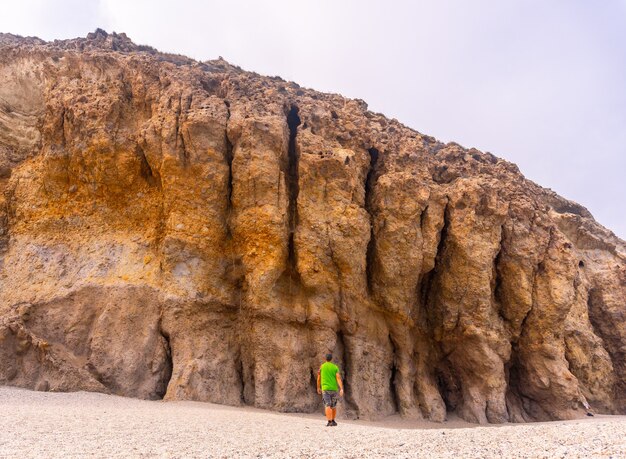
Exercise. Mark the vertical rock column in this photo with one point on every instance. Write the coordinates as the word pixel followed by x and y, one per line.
pixel 395 265
pixel 463 311
pixel 276 344
pixel 549 389
pixel 331 244
pixel 186 145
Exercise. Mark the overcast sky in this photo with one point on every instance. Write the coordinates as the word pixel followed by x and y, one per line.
pixel 540 83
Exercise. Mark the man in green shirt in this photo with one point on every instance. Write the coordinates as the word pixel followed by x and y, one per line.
pixel 328 383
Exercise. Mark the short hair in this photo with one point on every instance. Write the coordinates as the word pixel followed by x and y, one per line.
pixel 329 357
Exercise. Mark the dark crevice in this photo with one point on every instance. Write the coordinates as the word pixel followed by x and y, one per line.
pixel 4 226
pixel 234 273
pixel 428 278
pixel 249 383
pixel 343 354
pixel 425 287
pixel 448 386
pixel 163 383
pixel 151 176
pixel 184 151
pixel 423 218
pixel 496 265
pixel 515 401
pixel 595 316
pixel 188 102
pixel 370 183
pixel 313 382
pixel 176 120
pixel 229 156
pixel 240 376
pixel 498 300
pixel 497 275
pixel 443 236
pixel 393 377
pixel 180 141
pixel 293 121
pixel 522 326
pixel 62 128
pixel 423 279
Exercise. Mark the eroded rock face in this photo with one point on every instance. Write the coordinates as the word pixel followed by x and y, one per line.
pixel 190 231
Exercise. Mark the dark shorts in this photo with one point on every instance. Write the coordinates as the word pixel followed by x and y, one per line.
pixel 330 398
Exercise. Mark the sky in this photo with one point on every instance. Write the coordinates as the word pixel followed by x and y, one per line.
pixel 539 83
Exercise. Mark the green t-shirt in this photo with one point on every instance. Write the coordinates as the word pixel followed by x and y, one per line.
pixel 328 372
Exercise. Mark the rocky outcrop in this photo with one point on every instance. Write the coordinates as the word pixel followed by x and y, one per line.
pixel 190 231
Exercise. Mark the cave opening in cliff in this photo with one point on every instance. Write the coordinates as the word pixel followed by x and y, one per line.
pixel 342 358
pixel 313 384
pixel 393 377
pixel 448 386
pixel 240 378
pixel 166 376
pixel 248 381
pixel 514 394
pixel 370 182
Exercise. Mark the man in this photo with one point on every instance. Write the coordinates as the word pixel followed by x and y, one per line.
pixel 328 383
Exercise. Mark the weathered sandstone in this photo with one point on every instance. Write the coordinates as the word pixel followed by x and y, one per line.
pixel 190 231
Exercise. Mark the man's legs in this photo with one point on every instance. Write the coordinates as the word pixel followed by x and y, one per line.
pixel 330 407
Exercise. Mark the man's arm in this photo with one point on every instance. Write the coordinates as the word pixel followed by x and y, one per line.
pixel 339 382
pixel 319 383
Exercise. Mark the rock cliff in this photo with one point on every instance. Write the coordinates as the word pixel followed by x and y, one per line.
pixel 191 231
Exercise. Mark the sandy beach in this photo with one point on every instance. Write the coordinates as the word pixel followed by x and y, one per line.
pixel 39 424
